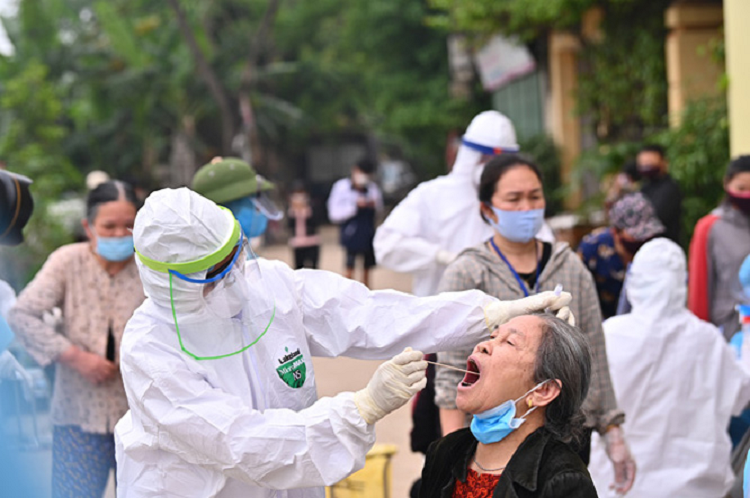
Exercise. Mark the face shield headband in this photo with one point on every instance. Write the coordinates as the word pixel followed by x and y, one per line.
pixel 236 242
pixel 489 151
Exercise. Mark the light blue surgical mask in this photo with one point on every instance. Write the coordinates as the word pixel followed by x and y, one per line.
pixel 496 423
pixel 115 249
pixel 252 221
pixel 517 226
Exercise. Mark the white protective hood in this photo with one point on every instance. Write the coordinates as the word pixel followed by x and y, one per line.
pixel 677 381
pixel 178 226
pixel 250 425
pixel 442 214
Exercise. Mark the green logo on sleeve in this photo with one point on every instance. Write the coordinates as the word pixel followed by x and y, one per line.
pixel 292 369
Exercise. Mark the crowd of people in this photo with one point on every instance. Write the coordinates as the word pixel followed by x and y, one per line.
pixel 183 360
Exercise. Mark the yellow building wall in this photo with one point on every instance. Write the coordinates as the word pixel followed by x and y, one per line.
pixel 736 17
pixel 691 72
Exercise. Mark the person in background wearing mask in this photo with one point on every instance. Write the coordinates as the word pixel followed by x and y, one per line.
pixel 354 203
pixel 234 184
pixel 218 363
pixel 96 284
pixel 660 188
pixel 513 264
pixel 679 379
pixel 303 224
pixel 633 222
pixel 719 245
pixel 597 249
pixel 438 219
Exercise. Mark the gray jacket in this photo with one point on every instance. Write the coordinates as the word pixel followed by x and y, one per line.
pixel 728 246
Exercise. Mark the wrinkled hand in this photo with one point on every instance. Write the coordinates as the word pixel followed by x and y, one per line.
pixel 92 367
pixel 500 312
pixel 619 453
pixel 445 257
pixel 392 385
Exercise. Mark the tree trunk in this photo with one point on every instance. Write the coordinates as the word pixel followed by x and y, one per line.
pixel 209 77
pixel 250 126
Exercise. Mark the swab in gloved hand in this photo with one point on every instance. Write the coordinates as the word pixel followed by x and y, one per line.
pixel 564 313
pixel 500 312
pixel 392 385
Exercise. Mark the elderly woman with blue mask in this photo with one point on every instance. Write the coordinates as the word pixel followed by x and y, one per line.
pixel 97 287
pixel 513 264
pixel 524 388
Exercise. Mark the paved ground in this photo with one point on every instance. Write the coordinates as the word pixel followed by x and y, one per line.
pixel 344 374
pixel 333 376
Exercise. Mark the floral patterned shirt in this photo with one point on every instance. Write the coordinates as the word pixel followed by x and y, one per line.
pixel 476 485
pixel 92 303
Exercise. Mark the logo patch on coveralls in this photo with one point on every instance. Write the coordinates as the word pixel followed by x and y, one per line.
pixel 292 369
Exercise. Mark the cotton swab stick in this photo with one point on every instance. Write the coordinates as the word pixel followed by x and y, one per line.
pixel 558 290
pixel 448 366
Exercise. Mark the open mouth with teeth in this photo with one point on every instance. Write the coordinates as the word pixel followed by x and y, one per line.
pixel 473 374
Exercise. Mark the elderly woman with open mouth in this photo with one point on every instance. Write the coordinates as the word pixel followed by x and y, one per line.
pixel 524 387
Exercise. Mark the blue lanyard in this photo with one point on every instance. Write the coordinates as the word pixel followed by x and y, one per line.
pixel 515 273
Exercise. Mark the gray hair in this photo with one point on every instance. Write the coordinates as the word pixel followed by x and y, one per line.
pixel 564 355
pixel 112 190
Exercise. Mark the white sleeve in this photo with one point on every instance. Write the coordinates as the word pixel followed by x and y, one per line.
pixel 399 243
pixel 341 204
pixel 275 448
pixel 344 318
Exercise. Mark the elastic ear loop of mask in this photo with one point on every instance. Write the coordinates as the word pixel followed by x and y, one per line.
pixel 201 358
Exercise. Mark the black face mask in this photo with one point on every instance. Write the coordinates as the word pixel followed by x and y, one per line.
pixel 650 171
pixel 631 246
pixel 741 202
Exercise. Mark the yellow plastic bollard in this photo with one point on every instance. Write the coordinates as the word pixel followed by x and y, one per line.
pixel 373 481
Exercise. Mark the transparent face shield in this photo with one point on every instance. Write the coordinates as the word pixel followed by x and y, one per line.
pixel 263 203
pixel 237 310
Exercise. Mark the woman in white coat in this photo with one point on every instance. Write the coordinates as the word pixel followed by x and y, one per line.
pixel 677 380
pixel 217 362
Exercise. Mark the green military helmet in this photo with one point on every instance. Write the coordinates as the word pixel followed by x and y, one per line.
pixel 227 179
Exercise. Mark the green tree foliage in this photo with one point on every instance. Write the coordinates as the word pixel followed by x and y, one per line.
pixel 622 87
pixel 698 150
pixel 32 143
pixel 526 18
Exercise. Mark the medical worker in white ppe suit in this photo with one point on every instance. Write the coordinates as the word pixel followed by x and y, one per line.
pixel 440 217
pixel 678 381
pixel 217 361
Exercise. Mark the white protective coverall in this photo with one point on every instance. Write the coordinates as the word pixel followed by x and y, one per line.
pixel 678 382
pixel 233 427
pixel 441 216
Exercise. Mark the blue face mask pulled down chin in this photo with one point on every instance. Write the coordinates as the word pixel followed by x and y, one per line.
pixel 496 423
pixel 517 226
pixel 115 249
pixel 252 221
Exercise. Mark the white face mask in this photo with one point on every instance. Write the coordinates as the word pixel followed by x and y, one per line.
pixel 360 179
